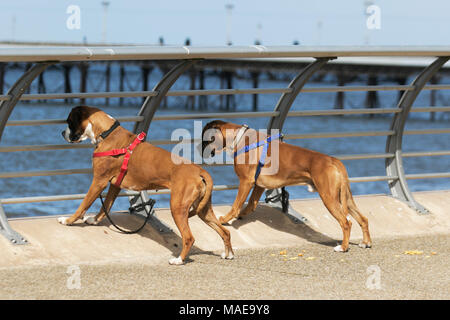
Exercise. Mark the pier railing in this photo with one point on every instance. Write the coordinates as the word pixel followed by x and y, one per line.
pixel 188 56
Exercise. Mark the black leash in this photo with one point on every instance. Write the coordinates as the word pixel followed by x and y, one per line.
pixel 282 197
pixel 138 207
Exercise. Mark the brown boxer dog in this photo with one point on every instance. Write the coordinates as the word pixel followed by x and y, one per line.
pixel 149 168
pixel 322 173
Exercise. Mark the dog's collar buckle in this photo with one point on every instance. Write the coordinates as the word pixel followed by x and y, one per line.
pixel 141 136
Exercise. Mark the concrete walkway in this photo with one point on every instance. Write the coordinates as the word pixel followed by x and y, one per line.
pixel 409 259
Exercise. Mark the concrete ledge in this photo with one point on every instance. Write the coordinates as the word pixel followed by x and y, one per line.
pixel 52 243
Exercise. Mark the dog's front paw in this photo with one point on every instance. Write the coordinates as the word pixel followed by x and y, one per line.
pixel 63 220
pixel 90 220
pixel 339 249
pixel 228 256
pixel 176 261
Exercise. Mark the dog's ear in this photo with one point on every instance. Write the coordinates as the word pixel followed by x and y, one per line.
pixel 74 121
pixel 77 115
pixel 215 124
pixel 74 118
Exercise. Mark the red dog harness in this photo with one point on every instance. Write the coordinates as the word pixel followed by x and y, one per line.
pixel 117 152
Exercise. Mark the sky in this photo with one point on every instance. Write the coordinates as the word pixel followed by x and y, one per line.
pixel 209 23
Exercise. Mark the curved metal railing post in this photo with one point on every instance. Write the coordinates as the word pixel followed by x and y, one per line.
pixel 148 110
pixel 152 103
pixel 16 91
pixel 284 104
pixel 394 166
pixel 287 99
pixel 6 108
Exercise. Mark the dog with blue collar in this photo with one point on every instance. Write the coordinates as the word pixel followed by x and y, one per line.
pixel 255 152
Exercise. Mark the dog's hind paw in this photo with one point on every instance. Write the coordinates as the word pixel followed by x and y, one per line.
pixel 176 261
pixel 365 245
pixel 90 220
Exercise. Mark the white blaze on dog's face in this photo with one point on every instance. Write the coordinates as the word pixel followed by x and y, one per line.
pixel 79 128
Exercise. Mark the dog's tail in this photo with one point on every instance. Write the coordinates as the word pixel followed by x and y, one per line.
pixel 208 181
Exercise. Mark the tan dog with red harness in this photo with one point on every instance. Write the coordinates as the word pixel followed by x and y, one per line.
pixel 127 162
pixel 322 173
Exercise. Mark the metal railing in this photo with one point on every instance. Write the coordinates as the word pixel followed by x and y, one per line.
pixel 395 175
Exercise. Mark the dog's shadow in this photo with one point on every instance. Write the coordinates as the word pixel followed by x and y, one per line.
pixel 270 216
pixel 168 239
pixel 276 219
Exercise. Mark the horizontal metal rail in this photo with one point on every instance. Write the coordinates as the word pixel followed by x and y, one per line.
pixel 427 131
pixel 43 173
pixel 426 153
pixel 391 155
pixel 325 112
pixel 436 87
pixel 304 113
pixel 216 188
pixel 362 134
pixel 82 195
pixel 136 94
pixel 372 179
pixel 373 88
pixel 428 175
pixel 83 95
pixel 139 94
pixel 356 88
pixel 222 115
pixel 105 53
pixel 364 156
pixel 13 123
pixel 58 198
pixel 190 141
pixel 338 134
pixel 206 92
pixel 210 92
pixel 231 115
pixel 46 147
pixel 22 174
pixel 430 109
